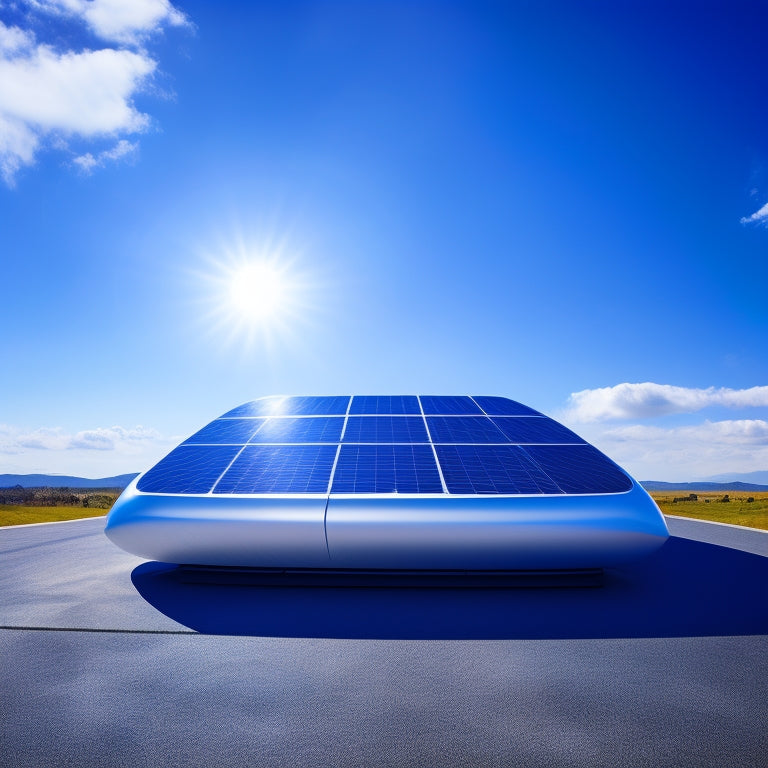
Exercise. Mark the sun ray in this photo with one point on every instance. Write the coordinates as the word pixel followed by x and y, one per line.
pixel 255 296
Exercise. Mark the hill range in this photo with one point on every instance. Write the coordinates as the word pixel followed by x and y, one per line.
pixel 65 481
pixel 121 481
pixel 734 487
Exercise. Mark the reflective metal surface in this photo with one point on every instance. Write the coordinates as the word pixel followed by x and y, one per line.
pixel 386 532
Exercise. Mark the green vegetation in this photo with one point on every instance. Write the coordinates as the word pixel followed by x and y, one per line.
pixel 20 506
pixel 21 515
pixel 748 508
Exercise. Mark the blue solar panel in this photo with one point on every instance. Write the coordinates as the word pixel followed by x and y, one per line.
pixel 490 469
pixel 535 429
pixel 226 431
pixel 335 405
pixel 464 429
pixel 386 469
pixel 266 406
pixel 579 468
pixel 503 406
pixel 385 404
pixel 188 469
pixel 300 430
pixel 385 429
pixel 385 451
pixel 455 405
pixel 314 406
pixel 280 469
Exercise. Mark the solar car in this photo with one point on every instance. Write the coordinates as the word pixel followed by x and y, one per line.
pixel 387 482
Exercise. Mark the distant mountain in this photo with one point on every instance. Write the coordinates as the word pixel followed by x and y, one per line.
pixel 761 476
pixel 64 481
pixel 658 485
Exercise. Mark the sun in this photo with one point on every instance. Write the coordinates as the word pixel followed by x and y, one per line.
pixel 258 291
pixel 255 296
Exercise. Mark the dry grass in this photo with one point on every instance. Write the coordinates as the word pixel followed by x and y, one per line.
pixel 710 506
pixel 15 515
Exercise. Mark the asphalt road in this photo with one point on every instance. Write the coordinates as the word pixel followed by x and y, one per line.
pixel 104 664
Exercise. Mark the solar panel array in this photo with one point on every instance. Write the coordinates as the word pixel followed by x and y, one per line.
pixel 383 445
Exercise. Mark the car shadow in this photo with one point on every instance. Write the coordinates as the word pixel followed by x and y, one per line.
pixel 685 589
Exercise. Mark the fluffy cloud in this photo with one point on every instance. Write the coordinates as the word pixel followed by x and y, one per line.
pixel 50 96
pixel 760 216
pixel 743 432
pixel 99 452
pixel 646 400
pixel 122 21
pixel 689 452
pixel 14 440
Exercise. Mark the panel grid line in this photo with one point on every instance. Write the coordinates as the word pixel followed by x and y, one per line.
pixel 429 436
pixel 485 413
pixel 543 471
pixel 218 480
pixel 336 459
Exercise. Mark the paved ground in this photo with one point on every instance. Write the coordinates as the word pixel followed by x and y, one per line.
pixel 102 664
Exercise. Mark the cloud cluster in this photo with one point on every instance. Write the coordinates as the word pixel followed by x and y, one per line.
pixel 647 400
pixel 758 217
pixel 99 452
pixel 687 453
pixel 14 440
pixel 49 96
pixel 743 432
pixel 129 22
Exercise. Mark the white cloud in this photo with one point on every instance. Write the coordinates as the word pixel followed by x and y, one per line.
pixel 99 452
pixel 128 22
pixel 14 440
pixel 85 93
pixel 647 399
pixel 13 39
pixel 736 432
pixel 688 452
pixel 760 216
pixel 51 96
pixel 88 161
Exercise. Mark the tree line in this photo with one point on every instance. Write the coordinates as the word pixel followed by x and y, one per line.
pixel 95 498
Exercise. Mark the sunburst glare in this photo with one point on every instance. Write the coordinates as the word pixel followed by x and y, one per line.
pixel 255 295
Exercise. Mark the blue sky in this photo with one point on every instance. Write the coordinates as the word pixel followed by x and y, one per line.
pixel 563 203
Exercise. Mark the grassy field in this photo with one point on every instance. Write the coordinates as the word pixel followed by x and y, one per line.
pixel 16 515
pixel 707 506
pixel 710 506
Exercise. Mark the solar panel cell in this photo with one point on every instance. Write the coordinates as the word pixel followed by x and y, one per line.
pixel 335 405
pixel 491 469
pixel 503 406
pixel 385 404
pixel 314 406
pixel 237 431
pixel 535 429
pixel 386 469
pixel 385 429
pixel 579 468
pixel 464 429
pixel 266 406
pixel 300 430
pixel 454 405
pixel 188 469
pixel 279 469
